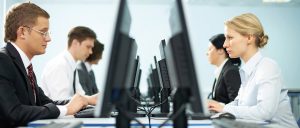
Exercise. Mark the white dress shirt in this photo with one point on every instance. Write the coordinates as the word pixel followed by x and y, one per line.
pixel 58 75
pixel 262 95
pixel 88 66
pixel 219 69
pixel 217 73
pixel 26 62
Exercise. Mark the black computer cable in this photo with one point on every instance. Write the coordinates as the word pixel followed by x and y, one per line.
pixel 129 116
pixel 174 115
pixel 137 102
pixel 144 107
pixel 153 107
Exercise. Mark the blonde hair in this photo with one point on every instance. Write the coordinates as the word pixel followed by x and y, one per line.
pixel 249 24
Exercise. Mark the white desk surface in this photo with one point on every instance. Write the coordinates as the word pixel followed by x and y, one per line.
pixel 110 122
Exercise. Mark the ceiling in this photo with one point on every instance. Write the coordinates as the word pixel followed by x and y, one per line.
pixel 295 3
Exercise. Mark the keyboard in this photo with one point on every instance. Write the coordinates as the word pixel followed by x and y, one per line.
pixel 73 124
pixel 87 112
pixel 227 123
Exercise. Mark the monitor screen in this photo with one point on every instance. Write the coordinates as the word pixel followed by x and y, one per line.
pixel 121 65
pixel 136 72
pixel 181 67
pixel 164 80
pixel 162 67
pixel 155 85
pixel 134 90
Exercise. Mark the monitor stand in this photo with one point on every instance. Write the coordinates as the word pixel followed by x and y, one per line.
pixel 179 103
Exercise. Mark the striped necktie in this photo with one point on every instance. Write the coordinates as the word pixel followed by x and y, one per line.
pixel 32 81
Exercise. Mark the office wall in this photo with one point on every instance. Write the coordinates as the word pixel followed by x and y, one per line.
pixel 150 24
pixel 280 23
pixel 65 16
pixel 2 5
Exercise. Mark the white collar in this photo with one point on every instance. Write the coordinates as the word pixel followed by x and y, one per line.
pixel 23 56
pixel 219 69
pixel 70 59
pixel 88 66
pixel 250 66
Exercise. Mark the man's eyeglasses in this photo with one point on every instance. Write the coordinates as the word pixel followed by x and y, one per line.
pixel 44 34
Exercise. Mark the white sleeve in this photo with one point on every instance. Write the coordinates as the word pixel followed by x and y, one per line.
pixel 63 110
pixel 55 81
pixel 268 85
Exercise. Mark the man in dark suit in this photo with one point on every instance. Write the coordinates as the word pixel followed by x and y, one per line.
pixel 21 99
pixel 227 78
pixel 85 71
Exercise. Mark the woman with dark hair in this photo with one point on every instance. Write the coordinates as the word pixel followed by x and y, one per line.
pixel 227 78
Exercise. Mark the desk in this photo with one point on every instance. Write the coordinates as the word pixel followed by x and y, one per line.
pixel 110 122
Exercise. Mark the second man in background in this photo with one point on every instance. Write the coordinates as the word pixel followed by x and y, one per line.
pixel 59 79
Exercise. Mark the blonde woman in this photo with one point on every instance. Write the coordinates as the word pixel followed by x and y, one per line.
pixel 262 95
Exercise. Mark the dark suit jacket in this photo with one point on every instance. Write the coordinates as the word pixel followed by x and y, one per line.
pixel 228 84
pixel 87 82
pixel 17 105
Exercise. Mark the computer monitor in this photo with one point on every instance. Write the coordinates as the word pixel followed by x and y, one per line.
pixel 156 83
pixel 134 90
pixel 137 72
pixel 138 81
pixel 153 85
pixel 181 68
pixel 164 80
pixel 120 68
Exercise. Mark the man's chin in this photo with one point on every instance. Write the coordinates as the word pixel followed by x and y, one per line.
pixel 41 52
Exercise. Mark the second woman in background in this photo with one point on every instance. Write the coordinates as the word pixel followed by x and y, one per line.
pixel 227 78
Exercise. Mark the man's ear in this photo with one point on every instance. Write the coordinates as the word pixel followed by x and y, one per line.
pixel 75 42
pixel 21 32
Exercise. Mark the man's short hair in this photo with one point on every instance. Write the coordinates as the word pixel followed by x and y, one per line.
pixel 80 33
pixel 24 14
pixel 97 51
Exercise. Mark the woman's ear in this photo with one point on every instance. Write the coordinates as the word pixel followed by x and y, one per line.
pixel 220 51
pixel 250 39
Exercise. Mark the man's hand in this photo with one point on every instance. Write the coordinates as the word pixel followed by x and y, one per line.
pixel 92 100
pixel 76 103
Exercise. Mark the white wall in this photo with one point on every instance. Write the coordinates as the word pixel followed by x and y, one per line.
pixel 280 23
pixel 65 16
pixel 150 25
pixel 2 10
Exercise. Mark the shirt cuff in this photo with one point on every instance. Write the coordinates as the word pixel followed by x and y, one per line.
pixel 63 110
pixel 223 105
pixel 228 108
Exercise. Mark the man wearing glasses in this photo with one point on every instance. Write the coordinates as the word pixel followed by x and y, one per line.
pixel 21 99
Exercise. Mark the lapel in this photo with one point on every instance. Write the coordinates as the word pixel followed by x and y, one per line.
pixel 221 74
pixel 19 64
